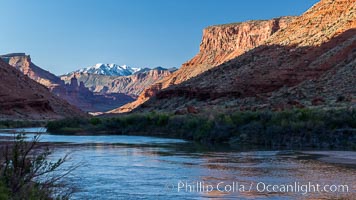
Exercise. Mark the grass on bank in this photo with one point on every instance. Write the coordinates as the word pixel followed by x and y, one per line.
pixel 299 127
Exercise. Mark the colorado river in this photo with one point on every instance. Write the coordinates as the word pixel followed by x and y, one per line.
pixel 135 167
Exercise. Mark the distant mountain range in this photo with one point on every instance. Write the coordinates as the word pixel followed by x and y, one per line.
pixel 115 70
pixel 99 88
pixel 106 83
pixel 108 70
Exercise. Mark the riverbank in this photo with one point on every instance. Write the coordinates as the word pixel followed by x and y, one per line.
pixel 5 124
pixel 332 129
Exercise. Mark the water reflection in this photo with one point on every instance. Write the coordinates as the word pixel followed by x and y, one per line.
pixel 129 167
pixel 128 171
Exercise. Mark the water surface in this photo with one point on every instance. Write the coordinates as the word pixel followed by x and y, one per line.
pixel 135 167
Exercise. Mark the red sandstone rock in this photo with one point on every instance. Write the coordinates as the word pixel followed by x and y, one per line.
pixel 192 110
pixel 313 55
pixel 23 98
pixel 318 101
pixel 73 92
pixel 219 44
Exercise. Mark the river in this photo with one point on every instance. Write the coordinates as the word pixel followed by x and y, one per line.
pixel 136 167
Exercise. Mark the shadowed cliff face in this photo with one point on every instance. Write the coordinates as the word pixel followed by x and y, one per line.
pixel 268 68
pixel 219 44
pixel 74 92
pixel 288 70
pixel 23 98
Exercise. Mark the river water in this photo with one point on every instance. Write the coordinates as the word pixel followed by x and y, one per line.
pixel 135 167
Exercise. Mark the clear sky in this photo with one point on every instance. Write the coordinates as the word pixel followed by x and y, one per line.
pixel 65 35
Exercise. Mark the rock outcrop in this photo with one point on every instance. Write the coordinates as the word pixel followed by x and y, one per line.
pixel 131 85
pixel 73 92
pixel 77 94
pixel 24 99
pixel 312 57
pixel 219 44
pixel 23 63
pixel 222 43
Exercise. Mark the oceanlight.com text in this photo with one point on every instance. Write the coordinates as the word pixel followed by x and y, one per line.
pixel 260 187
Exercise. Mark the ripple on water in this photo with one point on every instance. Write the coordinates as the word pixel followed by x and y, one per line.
pixel 134 167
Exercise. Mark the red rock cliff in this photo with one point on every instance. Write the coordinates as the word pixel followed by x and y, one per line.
pixel 222 43
pixel 219 44
pixel 74 93
pixel 23 98
pixel 315 50
pixel 23 63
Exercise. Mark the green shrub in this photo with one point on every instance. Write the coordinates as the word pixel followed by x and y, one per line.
pixel 26 173
pixel 191 123
pixel 20 124
pixel 59 125
pixel 162 120
pixel 4 191
pixel 95 121
pixel 203 129
pixel 260 127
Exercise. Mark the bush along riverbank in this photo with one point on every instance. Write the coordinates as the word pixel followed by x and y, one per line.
pixel 26 173
pixel 292 128
pixel 4 124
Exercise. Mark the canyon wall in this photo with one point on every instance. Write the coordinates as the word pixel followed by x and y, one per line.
pixel 294 67
pixel 219 44
pixel 23 63
pixel 222 43
pixel 24 99
pixel 73 92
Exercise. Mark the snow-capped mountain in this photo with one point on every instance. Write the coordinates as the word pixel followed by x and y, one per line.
pixel 108 69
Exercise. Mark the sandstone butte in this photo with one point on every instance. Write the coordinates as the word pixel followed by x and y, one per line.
pixel 281 63
pixel 219 44
pixel 24 98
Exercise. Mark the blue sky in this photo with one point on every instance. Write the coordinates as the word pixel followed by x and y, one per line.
pixel 65 35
